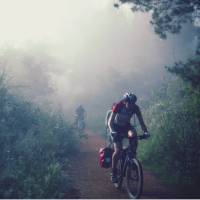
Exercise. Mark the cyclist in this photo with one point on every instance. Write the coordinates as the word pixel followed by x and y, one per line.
pixel 79 114
pixel 119 125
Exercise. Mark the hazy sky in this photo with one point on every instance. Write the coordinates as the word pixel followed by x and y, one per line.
pixel 92 42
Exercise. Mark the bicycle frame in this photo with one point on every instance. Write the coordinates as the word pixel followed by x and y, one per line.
pixel 125 159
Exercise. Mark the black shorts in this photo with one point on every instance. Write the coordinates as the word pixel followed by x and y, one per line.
pixel 122 132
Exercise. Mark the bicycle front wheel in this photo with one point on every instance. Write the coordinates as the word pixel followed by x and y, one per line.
pixel 134 179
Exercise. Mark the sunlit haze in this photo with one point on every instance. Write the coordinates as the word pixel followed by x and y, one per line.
pixel 87 45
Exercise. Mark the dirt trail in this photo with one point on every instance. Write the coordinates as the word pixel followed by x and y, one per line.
pixel 93 182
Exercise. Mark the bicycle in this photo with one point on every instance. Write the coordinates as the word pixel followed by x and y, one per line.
pixel 129 167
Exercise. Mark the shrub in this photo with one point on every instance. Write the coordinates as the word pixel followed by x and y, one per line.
pixel 35 149
pixel 174 118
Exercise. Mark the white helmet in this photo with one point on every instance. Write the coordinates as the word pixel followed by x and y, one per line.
pixel 130 97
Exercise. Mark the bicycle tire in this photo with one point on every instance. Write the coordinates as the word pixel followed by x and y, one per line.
pixel 134 179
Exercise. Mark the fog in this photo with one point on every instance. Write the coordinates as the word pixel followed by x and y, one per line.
pixel 70 52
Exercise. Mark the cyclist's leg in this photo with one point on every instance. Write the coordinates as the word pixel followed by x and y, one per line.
pixel 117 142
pixel 115 159
pixel 133 141
pixel 116 154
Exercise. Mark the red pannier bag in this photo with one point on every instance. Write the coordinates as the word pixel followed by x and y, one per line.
pixel 105 157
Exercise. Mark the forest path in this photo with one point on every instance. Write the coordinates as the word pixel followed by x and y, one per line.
pixel 94 182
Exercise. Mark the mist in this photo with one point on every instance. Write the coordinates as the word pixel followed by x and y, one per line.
pixel 65 53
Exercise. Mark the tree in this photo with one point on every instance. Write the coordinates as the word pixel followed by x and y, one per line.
pixel 169 16
pixel 189 71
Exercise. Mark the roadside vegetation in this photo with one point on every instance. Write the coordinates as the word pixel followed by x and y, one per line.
pixel 35 149
pixel 173 117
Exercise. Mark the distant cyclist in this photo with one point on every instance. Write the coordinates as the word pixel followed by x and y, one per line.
pixel 80 115
pixel 119 124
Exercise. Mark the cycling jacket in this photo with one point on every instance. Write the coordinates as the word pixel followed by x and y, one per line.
pixel 122 116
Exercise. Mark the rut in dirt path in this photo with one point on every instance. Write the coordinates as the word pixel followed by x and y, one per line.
pixel 94 182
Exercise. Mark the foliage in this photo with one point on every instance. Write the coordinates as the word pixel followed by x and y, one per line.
pixel 174 120
pixel 168 16
pixel 189 71
pixel 35 147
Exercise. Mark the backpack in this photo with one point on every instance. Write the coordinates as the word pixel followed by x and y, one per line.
pixel 108 115
pixel 105 157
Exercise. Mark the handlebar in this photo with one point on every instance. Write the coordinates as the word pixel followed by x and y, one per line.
pixel 140 137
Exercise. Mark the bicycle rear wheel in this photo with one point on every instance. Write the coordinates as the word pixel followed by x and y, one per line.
pixel 134 179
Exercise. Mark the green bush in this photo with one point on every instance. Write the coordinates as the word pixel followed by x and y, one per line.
pixel 35 149
pixel 173 151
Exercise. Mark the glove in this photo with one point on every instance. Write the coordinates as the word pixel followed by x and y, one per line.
pixel 146 135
